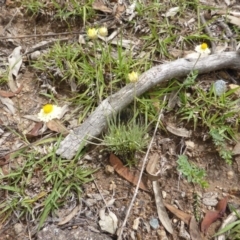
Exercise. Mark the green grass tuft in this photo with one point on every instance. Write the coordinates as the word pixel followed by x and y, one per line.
pixel 40 183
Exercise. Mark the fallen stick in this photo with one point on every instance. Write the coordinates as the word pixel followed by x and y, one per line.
pixel 97 121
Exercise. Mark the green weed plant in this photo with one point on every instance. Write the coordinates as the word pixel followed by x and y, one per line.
pixel 191 172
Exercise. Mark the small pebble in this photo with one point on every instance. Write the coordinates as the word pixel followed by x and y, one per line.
pixel 230 174
pixel 164 194
pixel 18 228
pixel 88 157
pixel 162 234
pixel 154 223
pixel 90 202
pixel 112 186
pixel 220 87
pixel 210 201
pixel 175 220
pixel 210 195
pixel 35 55
pixel 136 223
pixel 183 194
pixel 109 169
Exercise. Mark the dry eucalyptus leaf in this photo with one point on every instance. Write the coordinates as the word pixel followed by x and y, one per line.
pixel 236 14
pixel 32 118
pixel 99 5
pixel 178 213
pixel 125 43
pixel 10 94
pixel 56 126
pixel 136 223
pixel 108 222
pixel 35 130
pixel 190 144
pixel 212 216
pixel 15 62
pixel 172 12
pixel 9 104
pixel 119 10
pixel 110 202
pixel 151 167
pixel 162 213
pixel 126 172
pixel 173 100
pixel 234 20
pixel 183 234
pixel 209 218
pixel 70 216
pixel 176 53
pixel 181 132
pixel 194 229
pixel 81 39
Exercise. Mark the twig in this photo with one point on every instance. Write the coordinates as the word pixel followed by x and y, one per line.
pixel 41 35
pixel 101 195
pixel 140 175
pixel 208 31
pixel 229 35
pixel 10 22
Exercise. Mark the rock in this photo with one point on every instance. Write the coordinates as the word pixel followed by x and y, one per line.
pixel 154 223
pixel 109 169
pixel 220 87
pixel 18 228
pixel 210 199
pixel 164 194
pixel 230 174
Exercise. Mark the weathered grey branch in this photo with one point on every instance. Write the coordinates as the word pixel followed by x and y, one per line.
pixel 97 121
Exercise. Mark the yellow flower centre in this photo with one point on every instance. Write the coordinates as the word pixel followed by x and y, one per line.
pixel 204 46
pixel 48 108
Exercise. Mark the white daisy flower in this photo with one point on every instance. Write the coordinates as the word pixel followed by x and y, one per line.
pixel 203 49
pixel 49 112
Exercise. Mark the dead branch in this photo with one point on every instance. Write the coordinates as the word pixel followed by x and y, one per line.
pixel 40 35
pixel 109 107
